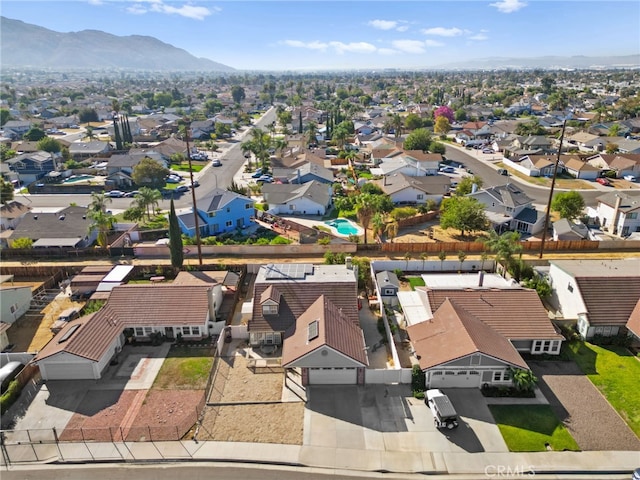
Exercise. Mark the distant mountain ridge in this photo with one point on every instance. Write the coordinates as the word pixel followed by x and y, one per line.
pixel 26 45
pixel 548 62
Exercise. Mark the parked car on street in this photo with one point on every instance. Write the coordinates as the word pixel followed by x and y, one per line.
pixel 630 178
pixel 265 178
pixel 115 194
pixel 488 150
pixel 447 170
pixel 257 173
pixel 195 184
pixel 603 181
pixel 182 189
pixel 503 171
pixel 216 163
pixel 131 194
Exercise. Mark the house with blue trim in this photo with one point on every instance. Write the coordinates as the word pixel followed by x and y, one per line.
pixel 221 211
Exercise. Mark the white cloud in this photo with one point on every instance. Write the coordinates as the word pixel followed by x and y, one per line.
pixel 95 2
pixel 508 6
pixel 433 43
pixel 443 32
pixel 387 51
pixel 310 45
pixel 158 6
pixel 383 24
pixel 353 47
pixel 403 28
pixel 479 37
pixel 409 46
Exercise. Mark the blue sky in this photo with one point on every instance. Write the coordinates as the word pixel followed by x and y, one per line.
pixel 301 34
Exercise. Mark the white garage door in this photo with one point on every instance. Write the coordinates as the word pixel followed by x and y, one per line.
pixel 332 376
pixel 67 371
pixel 455 379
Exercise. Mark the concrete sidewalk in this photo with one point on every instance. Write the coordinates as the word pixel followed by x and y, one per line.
pixel 355 460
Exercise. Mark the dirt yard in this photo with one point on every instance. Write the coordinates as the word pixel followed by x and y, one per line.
pixel 238 390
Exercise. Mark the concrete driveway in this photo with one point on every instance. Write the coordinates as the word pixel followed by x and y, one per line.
pixel 388 418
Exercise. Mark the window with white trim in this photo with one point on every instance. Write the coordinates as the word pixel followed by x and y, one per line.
pixel 501 376
pixel 229 223
pixel 292 207
pixel 195 330
pixel 269 309
pixel 420 196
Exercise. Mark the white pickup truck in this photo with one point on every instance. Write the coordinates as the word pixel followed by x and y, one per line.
pixel 444 415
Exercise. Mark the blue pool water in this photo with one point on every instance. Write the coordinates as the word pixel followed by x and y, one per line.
pixel 343 226
pixel 78 178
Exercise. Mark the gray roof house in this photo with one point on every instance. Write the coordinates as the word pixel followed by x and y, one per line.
pixel 388 286
pixel 564 229
pixel 404 189
pixel 69 227
pixel 509 208
pixel 88 149
pixel 312 198
pixel 304 173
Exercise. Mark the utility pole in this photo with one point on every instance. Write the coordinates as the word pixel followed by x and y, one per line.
pixel 553 184
pixel 193 194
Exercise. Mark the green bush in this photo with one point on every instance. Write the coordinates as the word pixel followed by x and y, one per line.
pixel 9 397
pixel 279 240
pixel 418 380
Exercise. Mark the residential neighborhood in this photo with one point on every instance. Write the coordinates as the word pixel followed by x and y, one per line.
pixel 244 261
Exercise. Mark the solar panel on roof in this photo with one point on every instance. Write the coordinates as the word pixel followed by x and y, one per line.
pixel 69 333
pixel 296 271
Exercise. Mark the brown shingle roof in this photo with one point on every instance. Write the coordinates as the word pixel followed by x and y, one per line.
pixel 454 333
pixel 297 295
pixel 634 320
pixel 517 314
pixel 130 306
pixel 609 300
pixel 335 330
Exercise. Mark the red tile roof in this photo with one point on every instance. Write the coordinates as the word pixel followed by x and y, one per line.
pixel 454 333
pixel 335 330
pixel 517 314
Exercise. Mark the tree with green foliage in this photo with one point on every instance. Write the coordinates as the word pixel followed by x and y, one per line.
pixel 150 173
pixel 101 220
pixel 464 213
pixel 437 147
pixel 175 239
pixel 22 242
pixel 5 116
pixel 465 185
pixel 88 115
pixel 412 121
pixel 523 380
pixel 569 205
pixel 237 93
pixel 419 139
pixel 397 124
pixel 48 144
pixel 34 134
pixel 6 152
pixel 6 191
pixel 134 213
pixel 540 285
pixel 442 256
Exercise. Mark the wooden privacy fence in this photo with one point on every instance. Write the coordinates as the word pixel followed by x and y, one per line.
pixel 479 247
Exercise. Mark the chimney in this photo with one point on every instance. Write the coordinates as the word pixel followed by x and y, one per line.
pixel 348 263
pixel 480 278
pixel 474 188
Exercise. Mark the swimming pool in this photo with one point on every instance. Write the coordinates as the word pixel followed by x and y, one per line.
pixel 78 178
pixel 344 226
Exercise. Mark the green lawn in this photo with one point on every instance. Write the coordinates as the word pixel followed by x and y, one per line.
pixel 528 428
pixel 416 282
pixel 616 373
pixel 185 369
pixel 184 167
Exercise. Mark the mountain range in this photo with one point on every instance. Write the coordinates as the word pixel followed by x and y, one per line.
pixel 26 45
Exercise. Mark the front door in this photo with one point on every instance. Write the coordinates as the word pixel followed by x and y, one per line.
pixel 168 332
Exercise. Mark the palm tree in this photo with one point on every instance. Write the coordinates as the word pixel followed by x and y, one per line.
pixel 442 256
pixel 378 223
pixel 483 257
pixel 312 132
pixel 247 149
pixel 101 220
pixel 504 246
pixel 365 208
pixel 99 201
pixel 148 199
pixel 397 123
pixel 407 257
pixel 524 380
pixel 89 133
